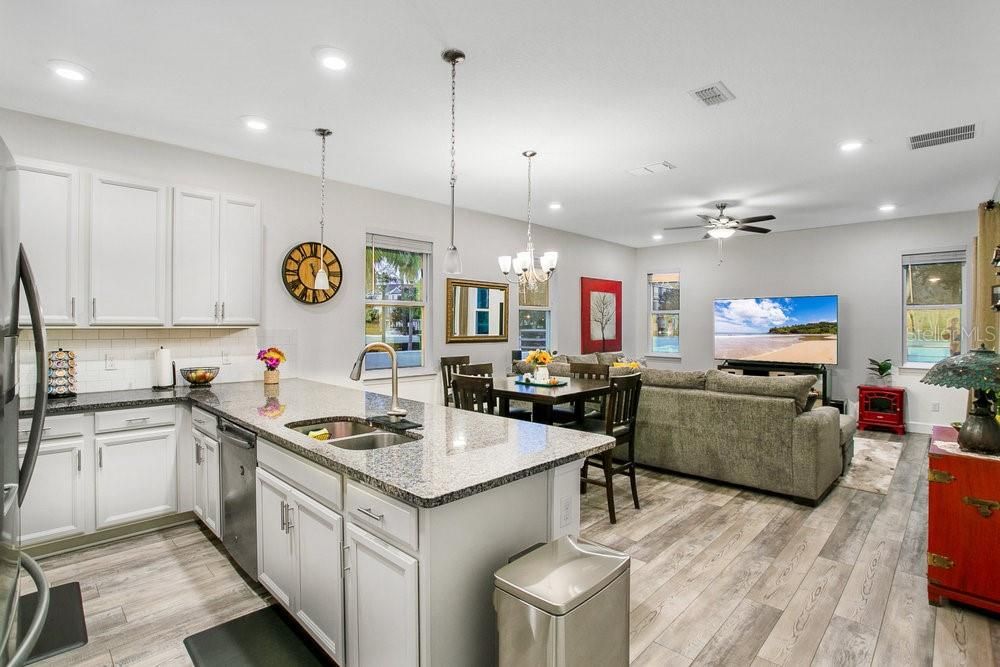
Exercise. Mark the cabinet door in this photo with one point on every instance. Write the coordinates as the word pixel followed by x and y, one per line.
pixel 240 260
pixel 210 464
pixel 382 605
pixel 54 505
pixel 275 547
pixel 128 252
pixel 195 272
pixel 136 476
pixel 318 534
pixel 49 203
pixel 200 477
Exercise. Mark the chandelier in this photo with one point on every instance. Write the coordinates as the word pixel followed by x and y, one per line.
pixel 523 263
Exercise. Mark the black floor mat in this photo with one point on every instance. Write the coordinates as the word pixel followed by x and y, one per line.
pixel 267 636
pixel 65 627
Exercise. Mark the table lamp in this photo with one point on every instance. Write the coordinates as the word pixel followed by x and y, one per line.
pixel 978 370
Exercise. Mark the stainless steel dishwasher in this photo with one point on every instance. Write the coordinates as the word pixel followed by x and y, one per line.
pixel 239 495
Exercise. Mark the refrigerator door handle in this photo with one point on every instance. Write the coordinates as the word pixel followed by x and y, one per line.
pixel 27 643
pixel 41 391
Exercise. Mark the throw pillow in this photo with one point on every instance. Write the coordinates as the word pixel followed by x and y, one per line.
pixel 656 377
pixel 582 358
pixel 609 357
pixel 796 387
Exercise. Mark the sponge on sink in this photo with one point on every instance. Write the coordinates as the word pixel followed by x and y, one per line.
pixel 321 434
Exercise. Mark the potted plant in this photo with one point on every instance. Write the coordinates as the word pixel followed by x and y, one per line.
pixel 272 358
pixel 540 359
pixel 881 370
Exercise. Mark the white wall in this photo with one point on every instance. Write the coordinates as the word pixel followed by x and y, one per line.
pixel 329 335
pixel 859 262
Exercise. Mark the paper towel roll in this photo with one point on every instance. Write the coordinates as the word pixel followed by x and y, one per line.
pixel 163 369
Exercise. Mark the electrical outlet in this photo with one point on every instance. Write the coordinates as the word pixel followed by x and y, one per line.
pixel 225 358
pixel 565 512
pixel 110 363
pixel 935 407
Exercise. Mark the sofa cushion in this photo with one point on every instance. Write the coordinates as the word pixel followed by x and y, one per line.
pixel 848 426
pixel 795 387
pixel 609 357
pixel 582 358
pixel 655 377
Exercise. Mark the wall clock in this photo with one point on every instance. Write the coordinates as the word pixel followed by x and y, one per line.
pixel 298 272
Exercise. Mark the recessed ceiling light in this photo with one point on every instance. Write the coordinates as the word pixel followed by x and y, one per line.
pixel 331 58
pixel 555 206
pixel 885 208
pixel 68 70
pixel 255 123
pixel 934 279
pixel 657 237
pixel 851 145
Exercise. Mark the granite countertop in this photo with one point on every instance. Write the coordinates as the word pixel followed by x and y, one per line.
pixel 457 453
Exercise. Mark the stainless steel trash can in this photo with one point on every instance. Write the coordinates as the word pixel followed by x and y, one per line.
pixel 563 604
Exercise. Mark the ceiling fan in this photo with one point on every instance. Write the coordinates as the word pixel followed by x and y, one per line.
pixel 723 226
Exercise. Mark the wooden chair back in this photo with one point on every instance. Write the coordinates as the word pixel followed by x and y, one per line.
pixel 450 366
pixel 623 403
pixel 473 392
pixel 476 369
pixel 589 371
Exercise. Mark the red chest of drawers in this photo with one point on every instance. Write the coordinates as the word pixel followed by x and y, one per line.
pixel 963 524
pixel 882 406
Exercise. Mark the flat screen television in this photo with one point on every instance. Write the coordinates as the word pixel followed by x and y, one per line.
pixel 785 329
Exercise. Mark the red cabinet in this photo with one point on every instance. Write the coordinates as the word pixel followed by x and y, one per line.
pixel 963 524
pixel 881 406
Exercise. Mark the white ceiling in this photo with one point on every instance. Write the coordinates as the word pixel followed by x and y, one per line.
pixel 596 87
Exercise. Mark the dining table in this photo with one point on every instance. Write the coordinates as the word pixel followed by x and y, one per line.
pixel 543 398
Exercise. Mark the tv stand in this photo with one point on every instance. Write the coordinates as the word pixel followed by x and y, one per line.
pixel 778 368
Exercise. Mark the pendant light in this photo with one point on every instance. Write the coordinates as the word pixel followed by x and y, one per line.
pixel 452 260
pixel 523 262
pixel 322 281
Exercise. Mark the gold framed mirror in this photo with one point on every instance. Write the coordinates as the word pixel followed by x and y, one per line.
pixel 476 312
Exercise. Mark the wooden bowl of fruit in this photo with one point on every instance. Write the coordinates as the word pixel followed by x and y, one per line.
pixel 201 376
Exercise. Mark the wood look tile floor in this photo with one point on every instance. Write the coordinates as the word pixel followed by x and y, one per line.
pixel 720 576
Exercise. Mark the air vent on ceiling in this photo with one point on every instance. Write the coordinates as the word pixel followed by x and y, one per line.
pixel 929 139
pixel 713 94
pixel 655 168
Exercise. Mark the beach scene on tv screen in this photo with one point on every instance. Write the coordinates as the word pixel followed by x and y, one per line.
pixel 798 329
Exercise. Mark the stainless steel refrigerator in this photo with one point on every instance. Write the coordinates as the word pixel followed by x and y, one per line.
pixel 15 474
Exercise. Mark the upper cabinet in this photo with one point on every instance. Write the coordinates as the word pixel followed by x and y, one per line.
pixel 49 211
pixel 128 252
pixel 217 258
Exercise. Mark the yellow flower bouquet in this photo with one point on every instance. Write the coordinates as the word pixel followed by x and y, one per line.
pixel 539 358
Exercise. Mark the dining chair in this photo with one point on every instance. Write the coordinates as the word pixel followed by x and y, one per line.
pixel 473 392
pixel 517 410
pixel 562 415
pixel 619 422
pixel 476 369
pixel 450 366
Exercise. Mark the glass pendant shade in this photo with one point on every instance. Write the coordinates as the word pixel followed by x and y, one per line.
pixel 721 232
pixel 505 263
pixel 452 261
pixel 549 260
pixel 322 281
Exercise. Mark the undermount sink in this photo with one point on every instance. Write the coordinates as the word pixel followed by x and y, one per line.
pixel 348 434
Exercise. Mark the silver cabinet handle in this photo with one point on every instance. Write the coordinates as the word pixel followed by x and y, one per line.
pixel 288 518
pixel 283 505
pixel 223 318
pixel 79 460
pixel 197 453
pixel 45 429
pixel 136 420
pixel 216 316
pixel 72 307
pixel 93 307
pixel 100 457
pixel 370 514
pixel 345 555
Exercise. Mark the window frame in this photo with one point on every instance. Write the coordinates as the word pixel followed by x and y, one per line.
pixel 650 313
pixel 421 246
pixel 947 255
pixel 552 345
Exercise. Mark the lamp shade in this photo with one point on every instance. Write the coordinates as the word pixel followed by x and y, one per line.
pixel 978 369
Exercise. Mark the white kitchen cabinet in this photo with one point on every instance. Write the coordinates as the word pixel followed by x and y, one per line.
pixel 381 602
pixel 136 475
pixel 207 505
pixel 195 257
pixel 240 260
pixel 49 211
pixel 55 505
pixel 275 546
pixel 128 252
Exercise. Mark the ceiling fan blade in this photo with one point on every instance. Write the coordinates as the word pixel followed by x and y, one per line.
pixel 674 229
pixel 706 218
pixel 751 228
pixel 756 218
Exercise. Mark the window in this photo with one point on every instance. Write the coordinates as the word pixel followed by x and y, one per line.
pixel 534 318
pixel 932 306
pixel 396 290
pixel 665 313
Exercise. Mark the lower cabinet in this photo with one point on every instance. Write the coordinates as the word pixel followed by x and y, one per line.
pixel 381 602
pixel 136 476
pixel 207 506
pixel 55 505
pixel 299 556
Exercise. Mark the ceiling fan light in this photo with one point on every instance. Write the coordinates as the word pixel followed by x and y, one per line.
pixel 721 232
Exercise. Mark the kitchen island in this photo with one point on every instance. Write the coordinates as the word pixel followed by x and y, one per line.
pixel 385 556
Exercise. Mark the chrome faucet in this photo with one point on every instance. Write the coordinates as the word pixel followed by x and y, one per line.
pixel 395 412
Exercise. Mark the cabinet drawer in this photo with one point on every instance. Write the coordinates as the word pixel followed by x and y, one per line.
pixel 56 426
pixel 117 420
pixel 204 421
pixel 324 485
pixel 381 514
